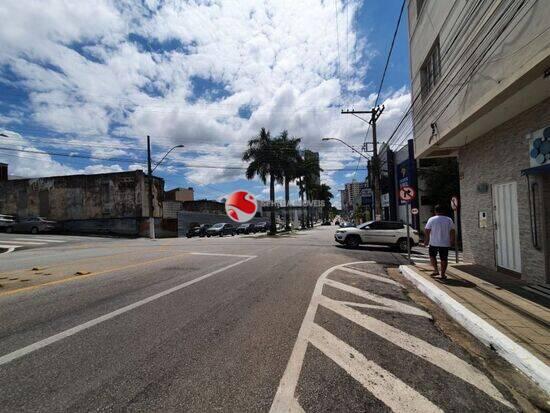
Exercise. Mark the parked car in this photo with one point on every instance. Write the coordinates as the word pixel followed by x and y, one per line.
pixel 261 227
pixel 34 225
pixel 220 230
pixel 6 221
pixel 391 233
pixel 198 230
pixel 247 228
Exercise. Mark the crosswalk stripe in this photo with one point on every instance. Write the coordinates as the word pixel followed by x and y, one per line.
pixel 39 239
pixel 374 378
pixel 29 242
pixel 9 248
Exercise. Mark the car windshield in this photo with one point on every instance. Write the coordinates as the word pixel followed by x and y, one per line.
pixel 217 225
pixel 365 225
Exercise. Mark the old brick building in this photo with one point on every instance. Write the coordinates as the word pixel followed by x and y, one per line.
pixel 115 203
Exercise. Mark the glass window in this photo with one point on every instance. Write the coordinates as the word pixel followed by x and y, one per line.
pixel 430 72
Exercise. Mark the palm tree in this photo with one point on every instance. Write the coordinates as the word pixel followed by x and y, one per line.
pixel 287 150
pixel 264 162
pixel 310 173
pixel 323 194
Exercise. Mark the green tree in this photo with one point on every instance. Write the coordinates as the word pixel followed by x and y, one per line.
pixel 323 193
pixel 310 173
pixel 289 154
pixel 263 162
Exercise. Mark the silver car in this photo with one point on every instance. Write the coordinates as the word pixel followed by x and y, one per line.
pixel 34 225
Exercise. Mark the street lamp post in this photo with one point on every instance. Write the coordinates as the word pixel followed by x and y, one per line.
pixel 150 176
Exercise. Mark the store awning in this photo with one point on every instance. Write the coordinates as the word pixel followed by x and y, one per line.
pixel 537 170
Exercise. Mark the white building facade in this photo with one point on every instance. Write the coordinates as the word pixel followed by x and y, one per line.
pixel 480 75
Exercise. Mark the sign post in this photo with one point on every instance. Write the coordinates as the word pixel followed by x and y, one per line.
pixel 407 194
pixel 454 206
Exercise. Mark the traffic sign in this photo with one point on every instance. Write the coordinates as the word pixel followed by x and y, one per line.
pixel 454 203
pixel 407 193
pixel 414 211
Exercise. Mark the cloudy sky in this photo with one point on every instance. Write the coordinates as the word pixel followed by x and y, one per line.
pixel 91 79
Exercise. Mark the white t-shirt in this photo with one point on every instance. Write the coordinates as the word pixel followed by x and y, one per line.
pixel 440 227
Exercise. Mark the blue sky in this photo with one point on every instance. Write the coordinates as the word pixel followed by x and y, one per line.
pixel 93 79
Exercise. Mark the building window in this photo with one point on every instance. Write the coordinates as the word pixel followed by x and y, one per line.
pixel 419 5
pixel 430 72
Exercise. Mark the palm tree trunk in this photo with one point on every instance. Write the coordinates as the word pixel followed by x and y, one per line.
pixel 302 215
pixel 287 196
pixel 273 229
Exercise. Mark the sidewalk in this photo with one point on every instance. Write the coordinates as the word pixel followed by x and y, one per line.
pixel 504 313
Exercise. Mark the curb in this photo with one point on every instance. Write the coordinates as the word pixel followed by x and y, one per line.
pixel 516 355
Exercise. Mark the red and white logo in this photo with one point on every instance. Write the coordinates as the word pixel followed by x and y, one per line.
pixel 241 206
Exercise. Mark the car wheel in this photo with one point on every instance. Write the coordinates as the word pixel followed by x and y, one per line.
pixel 352 241
pixel 402 244
pixel 34 230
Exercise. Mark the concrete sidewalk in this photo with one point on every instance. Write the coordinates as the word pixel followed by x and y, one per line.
pixel 500 311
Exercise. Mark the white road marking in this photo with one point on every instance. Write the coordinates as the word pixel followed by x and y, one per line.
pixel 28 242
pixel 383 385
pixel 9 248
pixel 386 302
pixel 359 367
pixel 67 333
pixel 371 276
pixel 435 355
pixel 40 239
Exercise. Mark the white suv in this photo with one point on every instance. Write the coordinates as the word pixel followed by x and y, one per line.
pixel 391 233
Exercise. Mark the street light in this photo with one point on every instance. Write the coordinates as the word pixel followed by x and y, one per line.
pixel 349 146
pixel 150 174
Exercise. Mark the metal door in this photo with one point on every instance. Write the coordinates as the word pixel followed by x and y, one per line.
pixel 505 204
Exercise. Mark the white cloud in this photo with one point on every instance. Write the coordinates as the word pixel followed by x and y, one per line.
pixel 89 78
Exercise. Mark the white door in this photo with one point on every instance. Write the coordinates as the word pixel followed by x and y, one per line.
pixel 505 204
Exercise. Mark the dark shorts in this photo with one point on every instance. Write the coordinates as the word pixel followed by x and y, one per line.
pixel 443 252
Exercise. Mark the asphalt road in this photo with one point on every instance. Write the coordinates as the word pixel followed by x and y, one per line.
pixel 232 324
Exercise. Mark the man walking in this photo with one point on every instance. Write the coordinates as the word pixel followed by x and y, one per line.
pixel 439 237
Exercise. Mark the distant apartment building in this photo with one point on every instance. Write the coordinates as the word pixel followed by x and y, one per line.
pixel 353 196
pixel 480 75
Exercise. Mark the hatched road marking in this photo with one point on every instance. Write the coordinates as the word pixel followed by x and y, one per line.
pixel 72 331
pixel 381 383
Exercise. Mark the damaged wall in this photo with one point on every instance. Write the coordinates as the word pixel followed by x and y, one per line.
pixel 81 197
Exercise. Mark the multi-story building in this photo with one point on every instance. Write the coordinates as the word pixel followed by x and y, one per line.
pixel 353 196
pixel 481 92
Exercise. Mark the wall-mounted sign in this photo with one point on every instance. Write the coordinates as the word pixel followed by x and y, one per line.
pixel 539 148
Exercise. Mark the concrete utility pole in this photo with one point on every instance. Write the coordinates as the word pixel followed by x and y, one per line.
pixel 374 115
pixel 150 183
pixel 150 179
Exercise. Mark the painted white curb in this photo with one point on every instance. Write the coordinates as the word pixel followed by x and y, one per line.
pixel 518 356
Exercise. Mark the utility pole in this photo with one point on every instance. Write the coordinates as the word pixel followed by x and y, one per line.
pixel 150 179
pixel 374 115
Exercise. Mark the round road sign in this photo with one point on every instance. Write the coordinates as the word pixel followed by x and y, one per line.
pixel 407 193
pixel 414 211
